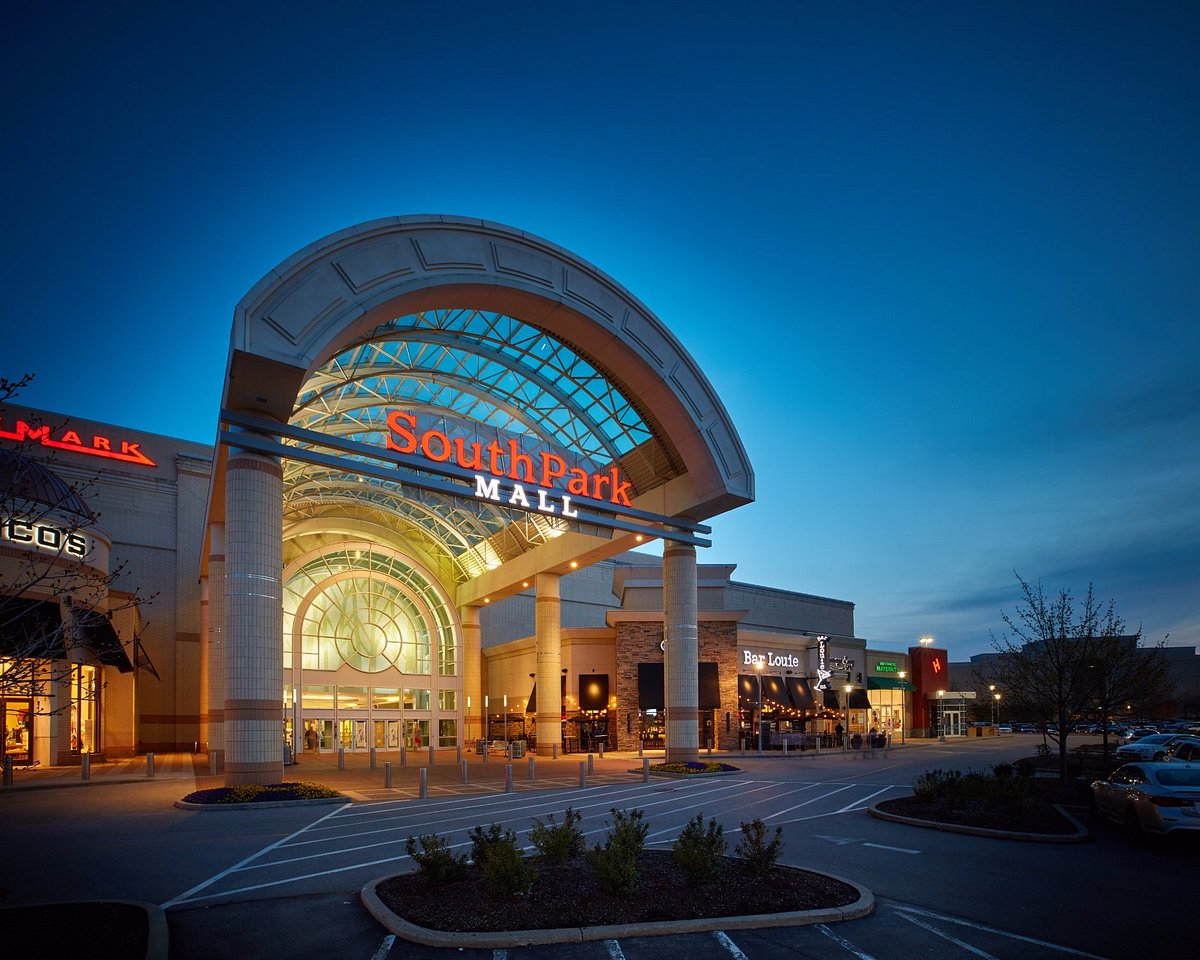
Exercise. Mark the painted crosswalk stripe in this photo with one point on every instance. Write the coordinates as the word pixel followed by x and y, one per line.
pixel 729 945
pixel 614 950
pixel 844 943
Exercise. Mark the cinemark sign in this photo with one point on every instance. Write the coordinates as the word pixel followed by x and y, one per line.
pixel 72 441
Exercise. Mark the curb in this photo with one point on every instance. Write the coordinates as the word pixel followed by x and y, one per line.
pixel 503 939
pixel 671 775
pixel 158 944
pixel 259 804
pixel 1081 834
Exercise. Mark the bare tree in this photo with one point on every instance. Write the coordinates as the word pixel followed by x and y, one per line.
pixel 42 518
pixel 1062 663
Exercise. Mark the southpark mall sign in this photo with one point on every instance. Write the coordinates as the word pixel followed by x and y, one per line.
pixel 506 474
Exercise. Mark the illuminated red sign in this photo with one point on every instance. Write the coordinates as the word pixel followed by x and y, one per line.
pixel 70 440
pixel 936 663
pixel 505 461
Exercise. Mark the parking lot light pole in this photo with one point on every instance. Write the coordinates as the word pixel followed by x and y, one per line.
pixel 992 691
pixel 941 717
pixel 903 701
pixel 995 709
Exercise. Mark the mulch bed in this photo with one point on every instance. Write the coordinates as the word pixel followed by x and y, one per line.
pixel 1037 816
pixel 98 931
pixel 568 895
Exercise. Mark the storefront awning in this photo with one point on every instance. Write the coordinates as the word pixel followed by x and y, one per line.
pixel 830 700
pixel 102 639
pixel 710 687
pixel 888 683
pixel 774 692
pixel 801 693
pixel 859 700
pixel 31 630
pixel 748 687
pixel 651 692
pixel 593 691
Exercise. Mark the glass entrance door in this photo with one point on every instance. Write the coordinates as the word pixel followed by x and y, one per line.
pixel 18 730
pixel 954 723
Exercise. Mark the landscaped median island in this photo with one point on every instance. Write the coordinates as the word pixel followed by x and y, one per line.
pixel 496 896
pixel 692 768
pixel 1000 801
pixel 294 791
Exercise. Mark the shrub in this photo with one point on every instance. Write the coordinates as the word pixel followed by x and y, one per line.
pixel 954 789
pixel 506 874
pixel 1003 771
pixel 485 842
pixel 1041 750
pixel 616 863
pixel 758 854
pixel 435 860
pixel 700 852
pixel 558 843
pixel 935 784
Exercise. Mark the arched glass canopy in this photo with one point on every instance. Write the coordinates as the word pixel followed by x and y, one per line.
pixel 475 375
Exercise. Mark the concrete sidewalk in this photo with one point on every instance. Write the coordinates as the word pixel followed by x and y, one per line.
pixel 360 781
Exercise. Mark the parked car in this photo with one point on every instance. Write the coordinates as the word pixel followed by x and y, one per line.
pixel 1136 733
pixel 1004 728
pixel 1184 750
pixel 1146 798
pixel 1151 747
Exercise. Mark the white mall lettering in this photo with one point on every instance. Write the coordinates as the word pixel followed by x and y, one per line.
pixel 770 659
pixel 45 536
pixel 488 488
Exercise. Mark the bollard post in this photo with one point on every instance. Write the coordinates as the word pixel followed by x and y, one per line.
pixel 591 765
pixel 8 776
pixel 341 758
pixel 583 773
pixel 554 751
pixel 372 758
pixel 431 754
pixel 508 778
pixel 403 755
pixel 212 763
pixel 645 769
pixel 785 746
pixel 487 748
pixel 641 748
pixel 85 767
pixel 150 766
pixel 742 741
pixel 458 754
pixel 710 748
pixel 463 764
pixel 532 771
pixel 387 774
pixel 601 751
pixel 424 783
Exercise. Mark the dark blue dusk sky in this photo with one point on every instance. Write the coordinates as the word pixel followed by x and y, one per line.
pixel 940 259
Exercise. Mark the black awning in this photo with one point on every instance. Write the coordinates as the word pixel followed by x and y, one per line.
pixel 774 692
pixel 102 639
pixel 31 629
pixel 652 694
pixel 593 691
pixel 710 687
pixel 801 693
pixel 830 700
pixel 531 706
pixel 859 700
pixel 748 687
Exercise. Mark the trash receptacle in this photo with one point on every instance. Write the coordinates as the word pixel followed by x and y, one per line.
pixel 480 747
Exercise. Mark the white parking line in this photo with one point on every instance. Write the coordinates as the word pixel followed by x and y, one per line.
pixel 945 936
pixel 614 950
pixel 903 908
pixel 384 947
pixel 844 943
pixel 729 945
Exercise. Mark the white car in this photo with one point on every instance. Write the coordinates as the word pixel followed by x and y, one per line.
pixel 1152 747
pixel 1184 750
pixel 1150 798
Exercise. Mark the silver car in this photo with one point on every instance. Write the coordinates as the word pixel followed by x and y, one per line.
pixel 1151 747
pixel 1150 798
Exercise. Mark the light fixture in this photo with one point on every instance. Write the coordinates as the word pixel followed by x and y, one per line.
pixel 926 641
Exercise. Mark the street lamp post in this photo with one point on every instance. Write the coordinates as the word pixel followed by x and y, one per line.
pixel 941 717
pixel 992 691
pixel 996 710
pixel 902 675
pixel 758 665
pixel 846 735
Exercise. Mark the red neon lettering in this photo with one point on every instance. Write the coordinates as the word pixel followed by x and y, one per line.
pixel 427 444
pixel 552 468
pixel 71 437
pixel 101 443
pixel 521 464
pixel 937 665
pixel 70 440
pixel 395 419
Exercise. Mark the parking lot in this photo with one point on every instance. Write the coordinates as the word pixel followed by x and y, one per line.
pixel 284 882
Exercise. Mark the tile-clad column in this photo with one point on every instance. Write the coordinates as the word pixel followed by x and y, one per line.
pixel 253 619
pixel 682 666
pixel 548 646
pixel 216 641
pixel 205 626
pixel 472 656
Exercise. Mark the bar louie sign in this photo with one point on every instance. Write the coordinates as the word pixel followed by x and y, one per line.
pixel 503 473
